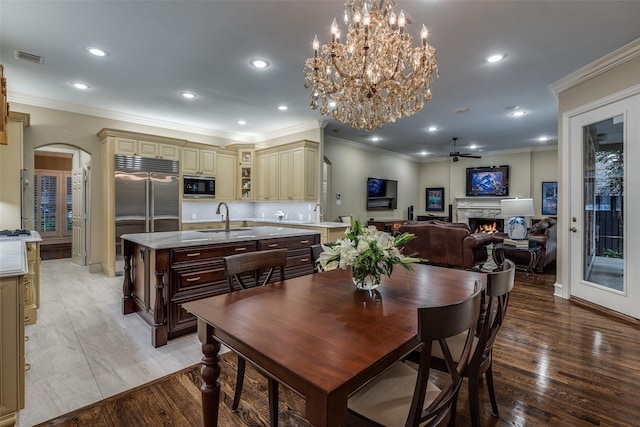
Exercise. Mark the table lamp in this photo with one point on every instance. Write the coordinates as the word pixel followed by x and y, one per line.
pixel 516 210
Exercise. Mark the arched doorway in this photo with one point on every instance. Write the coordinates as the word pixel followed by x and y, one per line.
pixel 61 201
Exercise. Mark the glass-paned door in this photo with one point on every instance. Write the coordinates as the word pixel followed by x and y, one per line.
pixel 604 188
pixel 52 207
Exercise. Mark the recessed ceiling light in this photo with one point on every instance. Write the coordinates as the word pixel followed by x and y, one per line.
pixel 375 138
pixel 283 107
pixel 473 146
pixel 423 153
pixel 495 58
pixel 242 122
pixel 79 85
pixel 518 113
pixel 543 138
pixel 432 128
pixel 259 63
pixel 95 51
pixel 188 95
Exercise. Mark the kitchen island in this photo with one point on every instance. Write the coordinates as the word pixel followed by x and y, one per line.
pixel 330 231
pixel 162 271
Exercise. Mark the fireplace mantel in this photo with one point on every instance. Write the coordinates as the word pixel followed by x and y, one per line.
pixel 477 207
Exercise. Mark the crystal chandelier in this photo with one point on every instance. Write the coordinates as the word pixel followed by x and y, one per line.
pixel 377 76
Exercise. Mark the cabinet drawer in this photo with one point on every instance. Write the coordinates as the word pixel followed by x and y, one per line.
pixel 197 278
pixel 299 260
pixel 205 253
pixel 288 242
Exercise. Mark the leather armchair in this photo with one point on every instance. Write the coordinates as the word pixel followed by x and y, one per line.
pixel 446 243
pixel 544 233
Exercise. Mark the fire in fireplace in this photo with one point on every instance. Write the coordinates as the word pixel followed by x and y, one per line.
pixel 486 225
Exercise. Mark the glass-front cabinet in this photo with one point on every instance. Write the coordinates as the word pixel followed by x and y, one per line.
pixel 245 157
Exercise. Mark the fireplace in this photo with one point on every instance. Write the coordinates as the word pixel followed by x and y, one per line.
pixel 486 225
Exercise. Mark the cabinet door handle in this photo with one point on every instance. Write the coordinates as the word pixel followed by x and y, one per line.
pixel 241 249
pixel 273 245
pixel 304 259
pixel 194 254
pixel 304 241
pixel 193 279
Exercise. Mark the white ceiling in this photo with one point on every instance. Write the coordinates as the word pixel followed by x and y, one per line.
pixel 159 48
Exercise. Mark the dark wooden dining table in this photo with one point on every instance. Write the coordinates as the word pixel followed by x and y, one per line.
pixel 319 335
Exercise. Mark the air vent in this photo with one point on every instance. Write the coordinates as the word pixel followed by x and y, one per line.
pixel 29 57
pixel 462 110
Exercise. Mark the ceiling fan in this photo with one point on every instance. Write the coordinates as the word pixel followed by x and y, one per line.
pixel 456 154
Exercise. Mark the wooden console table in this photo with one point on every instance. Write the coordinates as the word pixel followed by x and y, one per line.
pixel 389 226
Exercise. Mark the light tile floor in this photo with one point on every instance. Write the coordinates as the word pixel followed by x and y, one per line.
pixel 82 349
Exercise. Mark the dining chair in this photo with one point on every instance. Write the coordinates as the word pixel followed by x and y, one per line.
pixel 405 396
pixel 255 265
pixel 492 314
pixel 316 250
pixel 252 266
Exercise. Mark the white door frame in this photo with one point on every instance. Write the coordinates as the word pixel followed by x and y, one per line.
pixel 563 284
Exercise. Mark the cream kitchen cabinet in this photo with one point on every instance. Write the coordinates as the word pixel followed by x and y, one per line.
pixel 12 349
pixel 268 176
pixel 198 161
pixel 226 176
pixel 142 148
pixel 288 172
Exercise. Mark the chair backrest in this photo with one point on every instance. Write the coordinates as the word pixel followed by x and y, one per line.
pixel 494 309
pixel 435 325
pixel 316 250
pixel 252 265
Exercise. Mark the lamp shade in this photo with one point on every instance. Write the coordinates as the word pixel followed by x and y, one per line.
pixel 516 210
pixel 516 207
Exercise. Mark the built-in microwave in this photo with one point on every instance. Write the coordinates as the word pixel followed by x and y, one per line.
pixel 199 187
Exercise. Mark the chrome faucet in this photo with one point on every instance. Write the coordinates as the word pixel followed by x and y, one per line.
pixel 315 209
pixel 226 219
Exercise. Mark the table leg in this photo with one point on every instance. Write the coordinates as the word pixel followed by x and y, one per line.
pixel 210 373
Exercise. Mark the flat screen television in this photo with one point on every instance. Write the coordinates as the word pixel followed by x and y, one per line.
pixel 488 181
pixel 382 194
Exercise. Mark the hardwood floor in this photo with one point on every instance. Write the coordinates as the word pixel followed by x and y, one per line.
pixel 556 363
pixel 559 363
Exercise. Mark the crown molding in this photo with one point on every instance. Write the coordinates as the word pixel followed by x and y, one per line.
pixel 619 56
pixel 131 118
pixel 25 118
pixel 369 148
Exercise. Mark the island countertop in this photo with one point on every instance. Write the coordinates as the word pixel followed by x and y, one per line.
pixel 175 239
pixel 284 222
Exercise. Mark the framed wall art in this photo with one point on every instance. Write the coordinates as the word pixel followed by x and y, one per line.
pixel 4 107
pixel 550 198
pixel 435 199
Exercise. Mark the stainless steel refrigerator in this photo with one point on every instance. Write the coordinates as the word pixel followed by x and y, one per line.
pixel 146 197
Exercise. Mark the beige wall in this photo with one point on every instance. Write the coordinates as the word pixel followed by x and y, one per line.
pixel 527 170
pixel 602 85
pixel 351 165
pixel 10 165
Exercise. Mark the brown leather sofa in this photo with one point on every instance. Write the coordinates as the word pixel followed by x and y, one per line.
pixel 449 244
pixel 544 234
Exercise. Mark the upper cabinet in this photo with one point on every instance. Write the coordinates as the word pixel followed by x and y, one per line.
pixel 288 172
pixel 198 161
pixel 142 148
pixel 226 161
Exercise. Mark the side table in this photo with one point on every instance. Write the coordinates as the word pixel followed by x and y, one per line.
pixel 524 258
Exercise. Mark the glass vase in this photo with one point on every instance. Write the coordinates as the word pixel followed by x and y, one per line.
pixel 364 280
